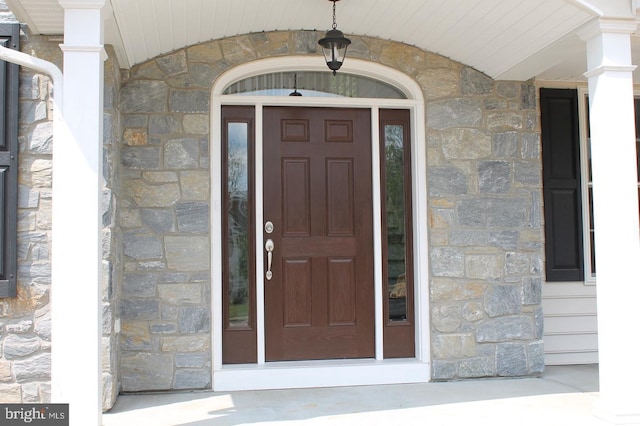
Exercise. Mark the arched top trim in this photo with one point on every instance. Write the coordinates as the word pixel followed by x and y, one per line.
pixel 315 63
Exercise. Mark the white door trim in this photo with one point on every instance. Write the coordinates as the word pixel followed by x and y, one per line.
pixel 322 373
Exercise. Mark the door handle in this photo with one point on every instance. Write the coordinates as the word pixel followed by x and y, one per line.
pixel 269 246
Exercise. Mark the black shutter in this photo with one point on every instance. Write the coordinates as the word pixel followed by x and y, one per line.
pixel 9 78
pixel 561 181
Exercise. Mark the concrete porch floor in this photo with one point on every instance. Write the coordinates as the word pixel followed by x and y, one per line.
pixel 563 396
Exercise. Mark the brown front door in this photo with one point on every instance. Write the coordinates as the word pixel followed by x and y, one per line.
pixel 319 302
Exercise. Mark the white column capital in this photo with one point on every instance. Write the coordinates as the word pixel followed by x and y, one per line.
pixel 82 4
pixel 607 26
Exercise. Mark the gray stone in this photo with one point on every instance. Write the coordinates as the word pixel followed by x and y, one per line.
pixel 146 195
pixel 186 343
pixel 536 357
pixel 472 212
pixel 493 104
pixel 174 63
pixel 144 96
pixel 527 173
pixel 453 345
pixel 164 124
pixel 135 336
pixel 107 318
pixel 181 153
pixel 180 293
pixel 444 370
pixel 158 220
pixel 164 328
pixel 494 177
pixel 191 360
pixel 502 300
pixel 305 41
pixel 32 369
pixel 20 327
pixel 203 74
pixel 29 87
pixel 193 319
pixel 536 210
pixel 194 185
pixel 189 101
pixel 196 124
pixel 530 146
pixel 142 247
pixel 511 359
pixel 447 262
pixel 472 311
pixel 17 346
pixel 187 253
pixel 477 367
pixel 146 372
pixel 134 120
pixel 43 326
pixel 508 89
pixel 445 181
pixel 465 144
pixel 503 329
pixel 538 319
pixel 139 309
pixel 139 285
pixel 41 141
pixel 531 291
pixel 527 96
pixel 27 198
pixel 30 112
pixel 506 240
pixel 475 83
pixel 446 317
pixel 506 213
pixel 504 120
pixel 484 266
pixel 140 157
pixel 192 217
pixel 169 313
pixel 191 378
pixel 173 277
pixel 30 393
pixel 505 144
pixel 451 113
pixel 465 237
pixel 517 263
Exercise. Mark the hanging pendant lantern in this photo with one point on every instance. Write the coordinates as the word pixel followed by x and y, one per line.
pixel 334 45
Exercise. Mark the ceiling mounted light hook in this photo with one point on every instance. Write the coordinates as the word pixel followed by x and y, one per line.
pixel 334 44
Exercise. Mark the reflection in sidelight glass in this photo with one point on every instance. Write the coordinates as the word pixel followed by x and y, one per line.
pixel 395 216
pixel 238 223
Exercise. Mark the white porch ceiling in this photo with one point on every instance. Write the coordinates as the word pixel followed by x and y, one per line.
pixel 506 39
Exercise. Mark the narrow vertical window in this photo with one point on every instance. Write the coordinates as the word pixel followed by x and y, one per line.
pixel 395 149
pixel 239 330
pixel 238 223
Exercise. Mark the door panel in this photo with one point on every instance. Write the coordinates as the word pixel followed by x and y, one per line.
pixel 319 303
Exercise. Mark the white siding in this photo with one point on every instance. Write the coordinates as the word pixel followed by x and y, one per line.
pixel 570 323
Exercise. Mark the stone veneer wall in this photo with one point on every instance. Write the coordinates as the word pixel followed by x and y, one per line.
pixel 25 321
pixel 484 174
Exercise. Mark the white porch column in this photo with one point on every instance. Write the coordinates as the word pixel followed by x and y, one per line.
pixel 76 254
pixel 617 238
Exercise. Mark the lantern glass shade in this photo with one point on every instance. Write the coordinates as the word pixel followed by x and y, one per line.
pixel 334 46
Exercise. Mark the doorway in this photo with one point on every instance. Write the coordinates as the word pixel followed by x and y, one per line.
pixel 357 327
